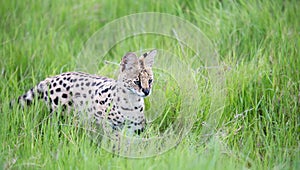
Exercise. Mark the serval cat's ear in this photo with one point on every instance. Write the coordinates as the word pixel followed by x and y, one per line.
pixel 129 62
pixel 149 58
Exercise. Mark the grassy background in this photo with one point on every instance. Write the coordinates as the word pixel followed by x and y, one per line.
pixel 258 41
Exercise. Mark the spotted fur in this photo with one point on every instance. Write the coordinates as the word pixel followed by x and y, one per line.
pixel 120 101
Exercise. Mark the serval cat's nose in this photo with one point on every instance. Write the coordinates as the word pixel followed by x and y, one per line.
pixel 146 91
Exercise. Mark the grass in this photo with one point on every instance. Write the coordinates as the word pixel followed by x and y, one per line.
pixel 258 43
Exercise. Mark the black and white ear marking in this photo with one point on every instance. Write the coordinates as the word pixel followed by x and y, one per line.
pixel 149 57
pixel 129 61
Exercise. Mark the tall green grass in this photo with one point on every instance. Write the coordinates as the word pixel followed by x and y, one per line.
pixel 258 43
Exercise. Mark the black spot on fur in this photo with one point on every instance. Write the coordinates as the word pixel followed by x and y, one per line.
pixel 28 102
pixel 58 90
pixel 64 95
pixel 101 86
pixel 55 100
pixel 105 90
pixel 41 95
pixel 124 108
pixel 139 131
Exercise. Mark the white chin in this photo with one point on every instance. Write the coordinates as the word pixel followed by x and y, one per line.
pixel 137 93
pixel 140 94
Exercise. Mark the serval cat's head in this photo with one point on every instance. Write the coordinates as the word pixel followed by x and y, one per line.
pixel 136 72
